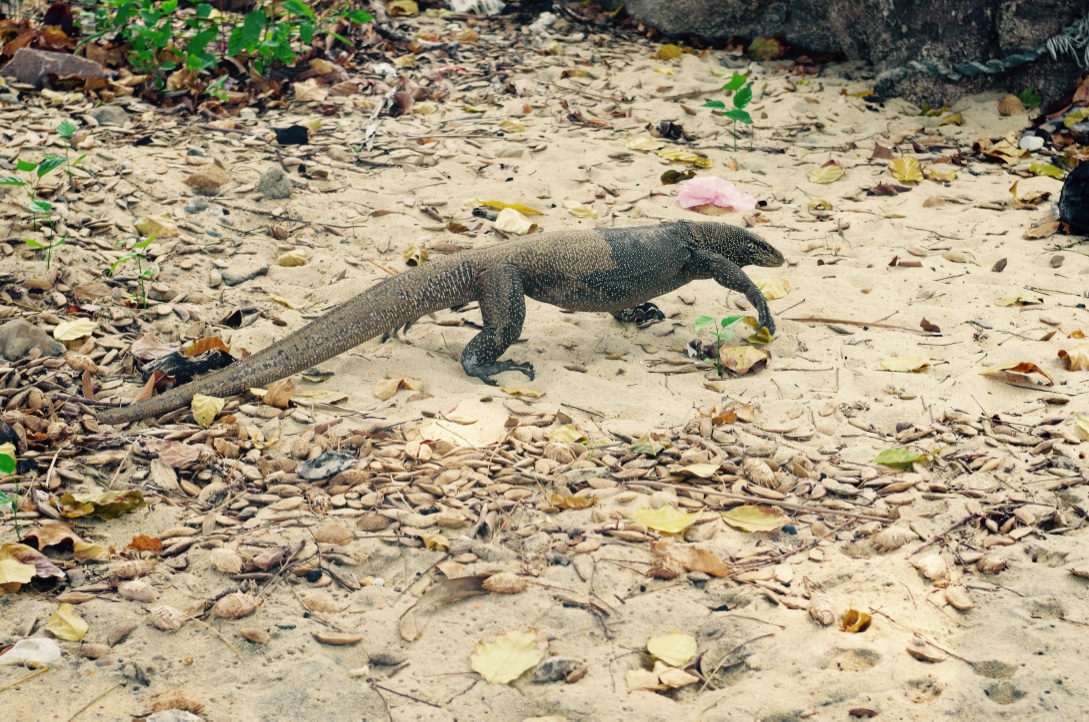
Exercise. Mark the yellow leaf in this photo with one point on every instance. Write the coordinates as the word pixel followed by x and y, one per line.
pixel 1011 373
pixel 567 434
pixel 436 542
pixel 773 288
pixel 521 391
pixel 855 621
pixel 1077 358
pixel 756 519
pixel 14 574
pixel 672 677
pixel 906 170
pixel 285 302
pixel 569 501
pixel 66 624
pixel 293 258
pixel 405 61
pixel 827 173
pixel 954 119
pixel 73 330
pixel 87 552
pixel 643 142
pixel 386 388
pixel 500 205
pixel 206 408
pixel 512 221
pixel 642 679
pixel 934 174
pixel 692 558
pixel 742 359
pixel 403 7
pixel 1082 425
pixel 509 656
pixel 1006 151
pixel 665 71
pixel 475 108
pixel 668 519
pixel 1044 230
pixel 904 364
pixel 685 156
pixel 511 125
pixel 161 226
pixel 668 51
pixel 675 649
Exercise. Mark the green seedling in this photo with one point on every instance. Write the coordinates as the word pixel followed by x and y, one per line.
pixel 721 329
pixel 741 98
pixel 138 255
pixel 7 467
pixel 40 209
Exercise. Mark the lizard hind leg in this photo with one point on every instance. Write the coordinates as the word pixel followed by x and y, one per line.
pixel 503 309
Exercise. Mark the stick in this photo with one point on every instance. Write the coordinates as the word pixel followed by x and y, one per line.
pixel 943 533
pixel 816 319
pixel 83 709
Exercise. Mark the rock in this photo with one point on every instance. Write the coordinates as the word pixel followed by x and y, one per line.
pixel 208 180
pixel 241 270
pixel 18 337
pixel 110 115
pixel 274 184
pixel 555 669
pixel 388 658
pixel 891 36
pixel 1074 200
pixel 34 66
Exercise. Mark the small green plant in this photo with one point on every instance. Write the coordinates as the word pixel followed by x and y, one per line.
pixel 65 130
pixel 40 209
pixel 7 467
pixel 138 254
pixel 721 330
pixel 1030 98
pixel 742 97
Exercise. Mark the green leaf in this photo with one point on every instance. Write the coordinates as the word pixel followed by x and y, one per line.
pixel 703 322
pixel 204 10
pixel 1047 169
pixel 7 464
pixel 49 164
pixel 40 206
pixel 359 16
pixel 66 129
pixel 1030 98
pixel 306 32
pixel 730 321
pixel 12 181
pixel 31 243
pixel 743 97
pixel 735 82
pixel 297 7
pixel 739 115
pixel 169 6
pixel 717 104
pixel 25 166
pixel 147 242
pixel 902 458
pixel 77 161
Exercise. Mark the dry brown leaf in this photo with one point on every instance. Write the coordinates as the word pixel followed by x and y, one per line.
pixel 1077 358
pixel 386 388
pixel 279 393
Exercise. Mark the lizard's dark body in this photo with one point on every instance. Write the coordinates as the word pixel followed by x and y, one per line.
pixel 595 270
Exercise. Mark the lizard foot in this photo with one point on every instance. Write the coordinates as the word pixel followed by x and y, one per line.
pixel 643 315
pixel 484 372
pixel 400 331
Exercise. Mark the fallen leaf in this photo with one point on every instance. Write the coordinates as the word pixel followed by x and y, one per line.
pixel 1047 169
pixel 1081 424
pixel 902 458
pixel 669 51
pixel 293 258
pixel 672 677
pixel 830 172
pixel 279 393
pixel 685 156
pixel 14 574
pixel 904 364
pixel 1044 230
pixel 85 552
pixel 773 288
pixel 203 345
pixel 160 226
pixel 106 505
pixel 943 176
pixel 500 205
pixel 510 125
pixel 1077 358
pixel 51 533
pixel 436 542
pixel 66 624
pixel 644 142
pixel 756 519
pixel 743 359
pixel 668 519
pixel 74 330
pixel 675 649
pixel 569 501
pixel 1017 373
pixel 385 389
pixel 521 391
pixel 509 656
pixel 643 680
pixel 691 558
pixel 567 434
pixel 206 408
pixel 906 170
pixel 511 221
pixel 703 471
pixel 1018 301
pixel 646 444
pixel 855 621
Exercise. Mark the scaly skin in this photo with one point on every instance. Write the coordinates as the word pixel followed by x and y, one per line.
pixel 594 270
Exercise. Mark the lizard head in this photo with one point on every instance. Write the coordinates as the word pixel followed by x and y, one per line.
pixel 737 244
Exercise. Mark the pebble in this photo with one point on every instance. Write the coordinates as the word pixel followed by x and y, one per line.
pixel 110 115
pixel 241 270
pixel 274 184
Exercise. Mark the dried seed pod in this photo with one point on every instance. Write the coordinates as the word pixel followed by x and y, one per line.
pixel 893 537
pixel 924 652
pixel 958 598
pixel 132 569
pixel 505 583
pixel 121 632
pixel 1010 104
pixel 235 606
pixel 167 618
pixel 226 560
pixel 992 563
pixel 257 636
pixel 138 590
pixel 822 610
pixel 758 472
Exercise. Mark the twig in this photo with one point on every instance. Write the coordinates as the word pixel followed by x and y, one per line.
pixel 816 319
pixel 83 709
pixel 215 631
pixel 406 696
pixel 717 667
pixel 937 537
pixel 382 697
pixel 27 678
pixel 761 500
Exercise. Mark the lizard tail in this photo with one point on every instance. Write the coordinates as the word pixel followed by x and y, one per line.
pixel 386 307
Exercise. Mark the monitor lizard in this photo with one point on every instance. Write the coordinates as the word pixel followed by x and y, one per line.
pixel 610 270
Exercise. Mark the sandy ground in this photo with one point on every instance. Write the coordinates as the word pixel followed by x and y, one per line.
pixel 823 409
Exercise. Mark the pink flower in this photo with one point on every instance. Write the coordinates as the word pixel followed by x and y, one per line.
pixel 712 190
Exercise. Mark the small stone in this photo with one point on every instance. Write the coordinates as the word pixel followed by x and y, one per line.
pixel 388 658
pixel 274 184
pixel 110 115
pixel 241 270
pixel 33 66
pixel 208 180
pixel 18 337
pixel 255 635
pixel 555 669
pixel 999 266
pixel 1057 260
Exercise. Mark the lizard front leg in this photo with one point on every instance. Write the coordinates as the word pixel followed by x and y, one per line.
pixel 503 309
pixel 729 274
pixel 643 315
